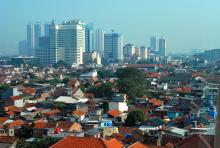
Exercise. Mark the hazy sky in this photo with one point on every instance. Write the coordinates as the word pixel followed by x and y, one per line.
pixel 187 24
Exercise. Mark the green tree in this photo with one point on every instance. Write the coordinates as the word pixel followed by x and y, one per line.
pixel 44 142
pixel 22 144
pixel 132 82
pixel 134 117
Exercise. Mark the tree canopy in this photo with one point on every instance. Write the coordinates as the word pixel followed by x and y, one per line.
pixel 132 82
pixel 134 117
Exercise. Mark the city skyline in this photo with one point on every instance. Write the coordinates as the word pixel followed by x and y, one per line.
pixel 186 25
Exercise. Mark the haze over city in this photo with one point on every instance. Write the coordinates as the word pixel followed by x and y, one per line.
pixel 186 24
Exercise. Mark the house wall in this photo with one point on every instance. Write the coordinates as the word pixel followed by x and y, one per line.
pixel 19 103
pixel 122 106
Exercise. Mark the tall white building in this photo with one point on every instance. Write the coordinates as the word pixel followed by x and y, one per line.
pixel 113 47
pixel 99 41
pixel 162 46
pixel 67 42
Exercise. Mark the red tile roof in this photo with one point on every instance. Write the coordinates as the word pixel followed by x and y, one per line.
pixel 114 113
pixel 137 145
pixel 79 142
pixel 40 125
pixel 79 113
pixel 113 143
pixel 184 90
pixel 14 98
pixel 155 102
pixel 52 112
pixel 28 90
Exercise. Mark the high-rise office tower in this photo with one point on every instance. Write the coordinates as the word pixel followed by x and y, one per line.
pixel 34 31
pixel 22 48
pixel 113 47
pixel 46 29
pixel 128 51
pixel 154 43
pixel 162 46
pixel 99 41
pixel 67 42
pixel 90 37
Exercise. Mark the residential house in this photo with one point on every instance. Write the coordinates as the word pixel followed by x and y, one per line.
pixel 119 102
pixel 8 142
pixel 15 101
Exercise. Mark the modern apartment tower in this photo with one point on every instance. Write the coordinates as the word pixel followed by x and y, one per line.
pixel 67 42
pixel 113 47
pixel 162 46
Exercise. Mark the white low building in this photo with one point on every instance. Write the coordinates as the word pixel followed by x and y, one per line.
pixel 70 100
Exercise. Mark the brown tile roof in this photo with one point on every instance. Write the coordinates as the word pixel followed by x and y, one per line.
pixel 114 113
pixel 3 119
pixel 13 109
pixel 137 145
pixel 113 143
pixel 8 139
pixel 52 112
pixel 200 141
pixel 27 105
pixel 79 142
pixel 16 123
pixel 65 125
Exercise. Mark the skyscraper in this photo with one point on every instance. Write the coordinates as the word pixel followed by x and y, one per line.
pixel 113 47
pixel 90 37
pixel 67 42
pixel 154 43
pixel 34 31
pixel 99 41
pixel 162 46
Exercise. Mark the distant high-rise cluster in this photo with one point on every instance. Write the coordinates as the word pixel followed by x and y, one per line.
pixel 73 41
pixel 158 46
